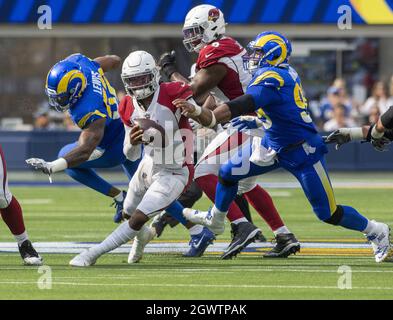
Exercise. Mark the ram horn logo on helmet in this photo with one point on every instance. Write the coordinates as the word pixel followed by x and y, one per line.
pixel 214 14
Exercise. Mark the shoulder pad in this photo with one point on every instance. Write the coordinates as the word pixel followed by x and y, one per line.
pixel 269 78
pixel 176 90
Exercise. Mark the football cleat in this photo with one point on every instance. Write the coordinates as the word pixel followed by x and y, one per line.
pixel 84 259
pixel 380 242
pixel 216 223
pixel 145 235
pixel 242 235
pixel 29 255
pixel 286 244
pixel 199 243
pixel 118 217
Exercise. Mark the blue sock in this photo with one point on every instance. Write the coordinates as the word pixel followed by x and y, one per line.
pixel 224 196
pixel 176 211
pixel 89 178
pixel 353 220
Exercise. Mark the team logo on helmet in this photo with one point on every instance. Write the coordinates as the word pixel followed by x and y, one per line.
pixel 214 14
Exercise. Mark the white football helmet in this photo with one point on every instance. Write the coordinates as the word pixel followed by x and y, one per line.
pixel 140 74
pixel 203 24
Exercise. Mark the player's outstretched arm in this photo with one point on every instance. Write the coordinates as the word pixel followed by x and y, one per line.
pixel 108 62
pixel 88 141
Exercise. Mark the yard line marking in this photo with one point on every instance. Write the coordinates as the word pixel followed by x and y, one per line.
pixel 183 285
pixel 35 201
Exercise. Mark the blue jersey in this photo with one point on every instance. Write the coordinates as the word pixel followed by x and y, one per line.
pixel 97 101
pixel 281 104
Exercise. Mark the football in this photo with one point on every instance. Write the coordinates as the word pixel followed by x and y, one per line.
pixel 153 133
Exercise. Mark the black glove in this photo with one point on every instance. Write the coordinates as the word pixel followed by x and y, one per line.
pixel 338 137
pixel 380 144
pixel 167 63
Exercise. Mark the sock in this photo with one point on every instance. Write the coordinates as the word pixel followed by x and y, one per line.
pixel 209 184
pixel 263 204
pixel 237 221
pixel 176 212
pixel 197 229
pixel 122 234
pixel 242 203
pixel 217 213
pixel 281 230
pixel 20 238
pixel 13 217
pixel 371 227
pixel 119 197
pixel 353 220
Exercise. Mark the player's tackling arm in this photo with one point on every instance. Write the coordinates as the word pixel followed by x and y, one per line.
pixel 88 141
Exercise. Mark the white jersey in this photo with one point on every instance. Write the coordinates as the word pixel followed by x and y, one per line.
pixel 178 150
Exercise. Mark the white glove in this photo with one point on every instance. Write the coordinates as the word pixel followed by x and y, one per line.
pixel 40 164
pixel 194 124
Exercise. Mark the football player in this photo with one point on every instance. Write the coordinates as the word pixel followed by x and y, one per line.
pixel 12 215
pixel 167 165
pixel 78 85
pixel 220 70
pixel 291 142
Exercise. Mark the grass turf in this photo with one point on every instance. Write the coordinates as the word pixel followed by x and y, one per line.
pixel 77 214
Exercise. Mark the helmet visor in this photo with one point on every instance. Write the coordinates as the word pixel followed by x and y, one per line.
pixel 138 81
pixel 192 37
pixel 252 59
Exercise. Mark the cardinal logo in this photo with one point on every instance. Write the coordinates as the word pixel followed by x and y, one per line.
pixel 214 14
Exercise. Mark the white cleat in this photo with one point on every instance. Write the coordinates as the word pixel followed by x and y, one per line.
pixel 33 261
pixel 216 223
pixel 380 242
pixel 84 259
pixel 145 235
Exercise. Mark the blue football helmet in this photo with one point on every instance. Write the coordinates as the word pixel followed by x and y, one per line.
pixel 269 48
pixel 65 84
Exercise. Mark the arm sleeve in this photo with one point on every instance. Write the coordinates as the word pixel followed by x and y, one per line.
pixel 131 152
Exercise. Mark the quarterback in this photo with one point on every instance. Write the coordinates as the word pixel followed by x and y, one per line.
pixel 78 85
pixel 166 168
pixel 275 93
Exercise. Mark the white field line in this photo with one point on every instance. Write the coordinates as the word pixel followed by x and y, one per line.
pixel 188 285
pixel 35 201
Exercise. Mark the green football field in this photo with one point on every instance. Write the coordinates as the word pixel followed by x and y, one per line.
pixel 71 214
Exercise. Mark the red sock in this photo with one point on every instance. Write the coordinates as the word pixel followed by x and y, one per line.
pixel 263 204
pixel 208 184
pixel 13 217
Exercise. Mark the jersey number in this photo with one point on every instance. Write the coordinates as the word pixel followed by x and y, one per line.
pixel 301 102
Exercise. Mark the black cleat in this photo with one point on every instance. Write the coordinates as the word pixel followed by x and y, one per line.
pixel 243 234
pixel 29 255
pixel 286 244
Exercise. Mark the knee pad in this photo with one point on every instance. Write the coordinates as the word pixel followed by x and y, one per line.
pixel 5 200
pixel 336 217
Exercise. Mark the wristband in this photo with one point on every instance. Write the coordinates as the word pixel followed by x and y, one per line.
pixel 356 133
pixel 213 122
pixel 375 133
pixel 58 165
pixel 197 112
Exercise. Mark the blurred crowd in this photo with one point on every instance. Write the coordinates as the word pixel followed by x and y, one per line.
pixel 340 109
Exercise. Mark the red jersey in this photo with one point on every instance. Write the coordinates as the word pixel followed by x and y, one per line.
pixel 228 52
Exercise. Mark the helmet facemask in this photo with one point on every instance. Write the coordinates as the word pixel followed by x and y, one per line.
pixel 193 37
pixel 62 102
pixel 141 85
pixel 252 60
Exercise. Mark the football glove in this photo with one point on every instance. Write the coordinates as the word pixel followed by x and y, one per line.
pixel 379 144
pixel 339 137
pixel 40 164
pixel 244 123
pixel 167 63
